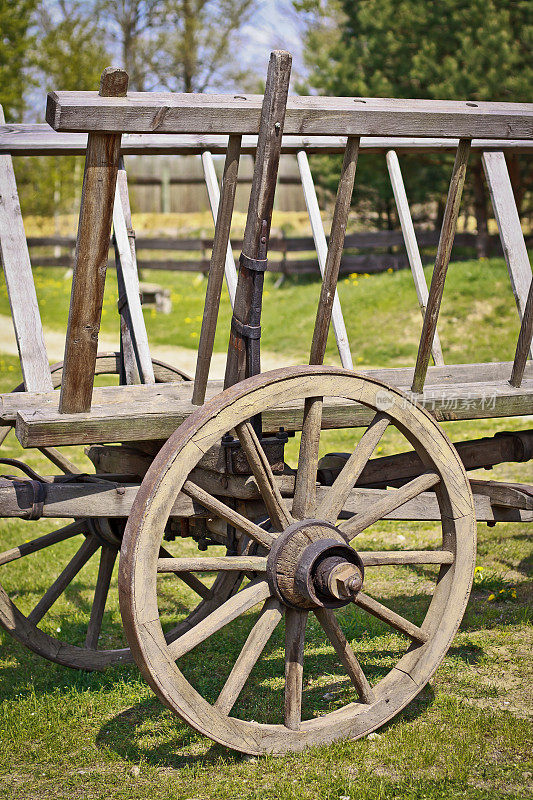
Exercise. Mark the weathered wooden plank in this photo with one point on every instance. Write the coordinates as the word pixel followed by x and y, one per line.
pixel 40 139
pixel 19 283
pixel 512 238
pixel 164 112
pixel 94 231
pixel 67 500
pixel 449 224
pixel 409 236
pixel 131 413
pixel 446 376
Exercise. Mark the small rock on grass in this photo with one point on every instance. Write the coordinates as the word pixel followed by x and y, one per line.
pixel 374 736
pixel 135 771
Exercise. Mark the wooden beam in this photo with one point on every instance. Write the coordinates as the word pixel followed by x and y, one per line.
pixel 165 112
pixel 19 283
pixel 94 231
pixel 41 140
pixel 129 413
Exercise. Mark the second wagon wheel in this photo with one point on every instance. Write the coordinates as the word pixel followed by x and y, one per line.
pixel 57 637
pixel 312 572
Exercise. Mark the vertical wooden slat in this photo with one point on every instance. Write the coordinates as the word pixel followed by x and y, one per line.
pixel 411 245
pixel 19 282
pixel 447 234
pixel 128 281
pixel 129 370
pixel 508 221
pixel 305 483
pixel 90 264
pixel 336 246
pixel 213 193
pixel 321 247
pixel 524 341
pixel 219 261
pixel 258 220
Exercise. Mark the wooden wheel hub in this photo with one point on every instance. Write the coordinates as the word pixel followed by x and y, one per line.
pixel 311 565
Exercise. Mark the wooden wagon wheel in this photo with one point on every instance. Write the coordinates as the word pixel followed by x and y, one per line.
pixel 308 566
pixel 97 538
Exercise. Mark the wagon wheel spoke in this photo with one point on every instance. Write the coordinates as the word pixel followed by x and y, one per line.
pixel 228 514
pixel 49 539
pixel 295 622
pixel 333 503
pixel 108 556
pixel 327 619
pixel 187 578
pixel 257 639
pixel 385 614
pixel 238 604
pixel 213 564
pixel 88 549
pixel 305 485
pixel 262 471
pixel 392 500
pixel 405 557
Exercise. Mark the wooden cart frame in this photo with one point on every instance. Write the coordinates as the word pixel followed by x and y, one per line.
pixel 220 474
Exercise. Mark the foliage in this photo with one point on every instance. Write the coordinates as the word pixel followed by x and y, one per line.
pixel 479 50
pixel 15 43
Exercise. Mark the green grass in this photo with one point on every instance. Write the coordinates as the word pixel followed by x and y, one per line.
pixel 478 321
pixel 468 735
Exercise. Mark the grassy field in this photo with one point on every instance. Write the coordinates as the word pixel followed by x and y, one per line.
pixel 468 735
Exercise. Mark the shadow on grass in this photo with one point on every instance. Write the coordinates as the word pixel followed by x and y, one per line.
pixel 146 732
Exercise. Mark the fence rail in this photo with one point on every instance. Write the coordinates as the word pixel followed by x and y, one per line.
pixel 288 247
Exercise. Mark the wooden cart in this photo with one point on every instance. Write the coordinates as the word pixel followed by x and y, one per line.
pixel 211 456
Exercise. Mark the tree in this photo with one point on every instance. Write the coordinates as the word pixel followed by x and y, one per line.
pixel 179 45
pixel 480 50
pixel 16 42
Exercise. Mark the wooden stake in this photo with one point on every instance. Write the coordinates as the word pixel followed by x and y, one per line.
pixel 257 230
pixel 447 234
pixel 219 263
pixel 94 231
pixel 411 245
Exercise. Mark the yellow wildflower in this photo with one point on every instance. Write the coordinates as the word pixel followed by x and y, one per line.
pixel 491 597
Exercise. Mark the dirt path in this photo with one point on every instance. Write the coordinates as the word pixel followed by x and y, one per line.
pixel 181 357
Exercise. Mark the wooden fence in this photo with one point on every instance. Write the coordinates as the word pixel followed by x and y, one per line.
pixel 289 255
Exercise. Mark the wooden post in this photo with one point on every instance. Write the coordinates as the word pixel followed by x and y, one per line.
pixel 508 221
pixel 409 237
pixel 247 311
pixel 219 259
pixel 444 251
pixel 19 282
pixel 321 247
pixel 524 341
pixel 92 248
